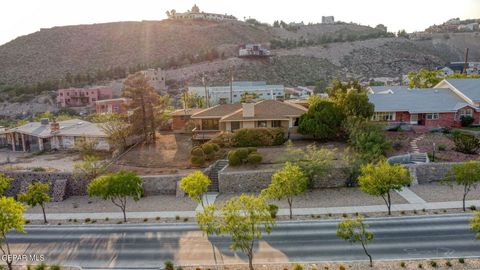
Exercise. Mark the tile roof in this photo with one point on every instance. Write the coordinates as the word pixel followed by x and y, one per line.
pixel 186 112
pixel 217 111
pixel 425 100
pixel 469 87
pixel 73 127
pixel 268 110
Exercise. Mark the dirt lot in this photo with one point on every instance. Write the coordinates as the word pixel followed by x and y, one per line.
pixel 327 198
pixel 61 161
pixel 169 155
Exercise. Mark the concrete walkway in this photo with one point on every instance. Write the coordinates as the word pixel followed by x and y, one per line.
pixel 410 196
pixel 281 212
pixel 208 198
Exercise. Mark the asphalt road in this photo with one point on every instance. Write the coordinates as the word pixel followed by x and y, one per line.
pixel 147 246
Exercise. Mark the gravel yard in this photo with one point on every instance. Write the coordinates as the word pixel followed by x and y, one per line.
pixel 327 198
pixel 84 204
pixel 435 192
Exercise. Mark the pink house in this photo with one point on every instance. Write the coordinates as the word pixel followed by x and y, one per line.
pixel 116 105
pixel 82 97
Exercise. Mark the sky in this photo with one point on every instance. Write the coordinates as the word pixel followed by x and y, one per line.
pixel 22 17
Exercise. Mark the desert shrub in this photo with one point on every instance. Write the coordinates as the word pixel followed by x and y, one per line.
pixel 297 266
pixel 466 120
pixel 169 265
pixel 208 148
pixel 461 260
pixel 253 137
pixel 41 266
pixel 197 151
pixel 273 209
pixel 39 169
pixel 442 147
pixel 466 143
pixel 55 267
pixel 448 264
pixel 223 140
pixel 402 264
pixel 341 267
pixel 243 156
pixel 197 160
pixel 254 158
pixel 433 264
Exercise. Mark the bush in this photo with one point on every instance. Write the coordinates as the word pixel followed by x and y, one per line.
pixel 433 264
pixel 208 148
pixel 448 264
pixel 39 169
pixel 233 159
pixel 41 266
pixel 397 145
pixel 242 153
pixel 461 260
pixel 254 158
pixel 168 265
pixel 197 160
pixel 197 151
pixel 253 137
pixel 442 147
pixel 341 267
pixel 402 264
pixel 55 267
pixel 297 266
pixel 273 209
pixel 466 143
pixel 466 120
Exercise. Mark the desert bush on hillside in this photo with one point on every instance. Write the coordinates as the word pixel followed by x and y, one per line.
pixel 466 143
pixel 244 156
pixel 205 152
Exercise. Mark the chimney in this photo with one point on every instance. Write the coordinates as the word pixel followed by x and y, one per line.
pixel 54 127
pixel 248 109
pixel 44 121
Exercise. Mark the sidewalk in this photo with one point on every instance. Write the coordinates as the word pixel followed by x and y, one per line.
pixel 281 212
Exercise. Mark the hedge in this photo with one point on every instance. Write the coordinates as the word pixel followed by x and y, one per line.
pixel 254 137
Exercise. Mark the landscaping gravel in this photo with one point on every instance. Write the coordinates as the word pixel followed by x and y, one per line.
pixel 436 192
pixel 85 204
pixel 328 198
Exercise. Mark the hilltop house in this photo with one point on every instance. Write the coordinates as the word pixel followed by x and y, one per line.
pixel 196 14
pixel 82 97
pixel 230 117
pixel 45 135
pixel 440 106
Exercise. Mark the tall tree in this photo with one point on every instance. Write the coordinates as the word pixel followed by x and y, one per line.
pixel 475 223
pixel 37 194
pixel 383 178
pixel 354 231
pixel 245 218
pixel 90 168
pixel 424 78
pixel 286 183
pixel 117 188
pixel 11 219
pixel 323 120
pixel 367 139
pixel 465 174
pixel 338 90
pixel 146 105
pixel 195 185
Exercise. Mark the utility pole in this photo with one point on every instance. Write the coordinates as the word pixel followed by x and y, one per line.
pixel 231 85
pixel 466 61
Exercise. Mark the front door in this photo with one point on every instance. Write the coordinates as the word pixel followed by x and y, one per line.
pixel 414 119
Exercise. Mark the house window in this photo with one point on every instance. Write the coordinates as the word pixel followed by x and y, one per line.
pixel 235 126
pixel 383 116
pixel 210 124
pixel 276 123
pixel 262 124
pixel 296 122
pixel 432 116
pixel 466 112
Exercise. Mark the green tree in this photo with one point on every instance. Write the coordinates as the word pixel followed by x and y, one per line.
pixel 117 187
pixel 466 174
pixel 383 178
pixel 403 34
pixel 338 90
pixel 37 194
pixel 475 223
pixel 4 183
pixel 354 231
pixel 286 183
pixel 11 219
pixel 118 130
pixel 424 78
pixel 357 105
pixel 248 96
pixel 195 185
pixel 368 140
pixel 146 105
pixel 323 120
pixel 209 223
pixel 192 100
pixel 245 218
pixel 90 167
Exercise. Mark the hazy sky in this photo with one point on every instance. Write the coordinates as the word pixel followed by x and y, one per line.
pixel 21 17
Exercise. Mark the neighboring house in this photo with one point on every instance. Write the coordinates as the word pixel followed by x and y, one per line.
pixel 3 137
pixel 328 20
pixel 441 106
pixel 299 92
pixel 253 50
pixel 45 135
pixel 82 97
pixel 116 105
pixel 230 117
pixel 217 94
pixel 196 14
pixel 181 120
pixel 156 78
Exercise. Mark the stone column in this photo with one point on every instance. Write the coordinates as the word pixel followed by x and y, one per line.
pixel 40 144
